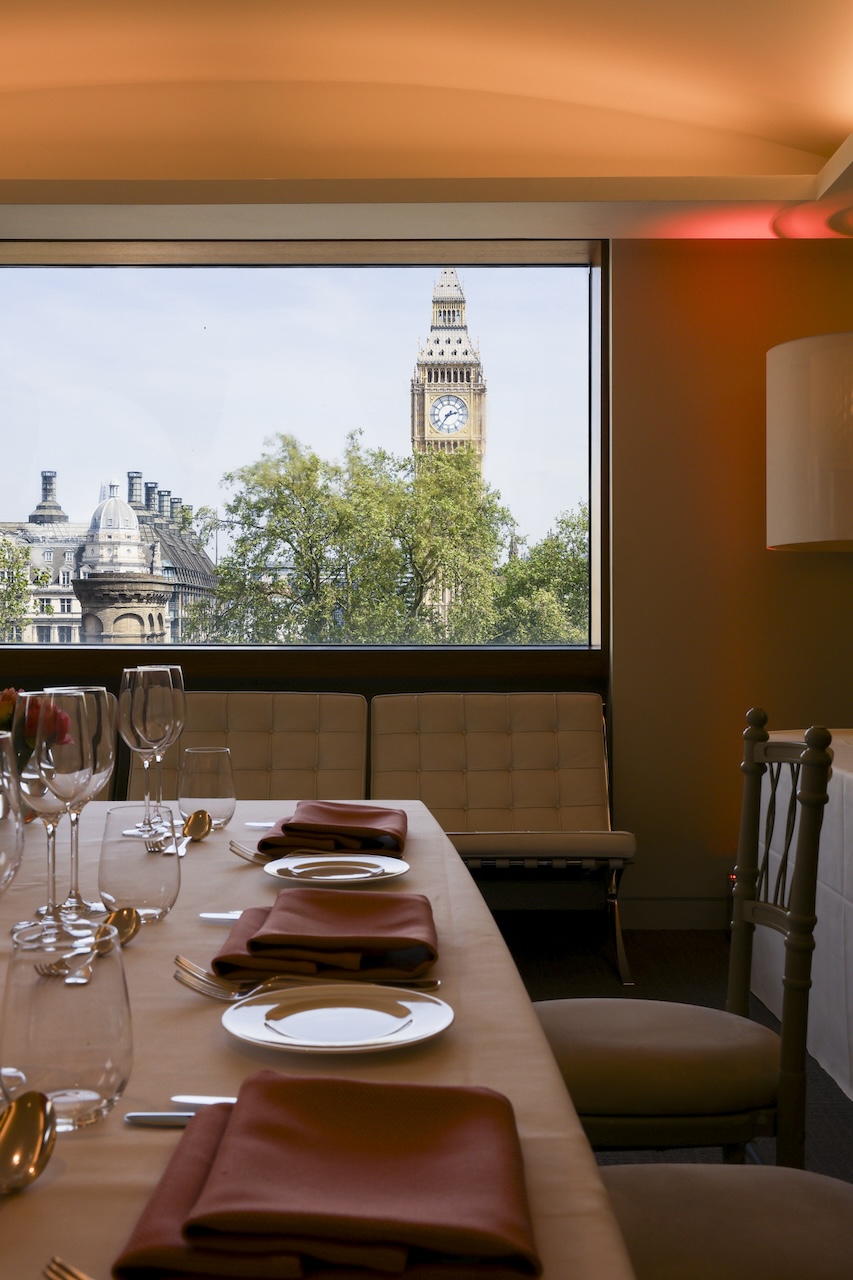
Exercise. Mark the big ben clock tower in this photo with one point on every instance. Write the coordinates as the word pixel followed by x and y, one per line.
pixel 448 389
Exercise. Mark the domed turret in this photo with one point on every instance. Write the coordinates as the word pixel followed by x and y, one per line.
pixel 114 542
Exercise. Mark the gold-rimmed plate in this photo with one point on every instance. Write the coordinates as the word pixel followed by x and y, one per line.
pixel 336 869
pixel 346 1017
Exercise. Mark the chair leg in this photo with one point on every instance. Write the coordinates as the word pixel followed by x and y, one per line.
pixel 616 927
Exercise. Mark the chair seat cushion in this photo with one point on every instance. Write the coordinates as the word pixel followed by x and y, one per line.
pixel 576 846
pixel 656 1058
pixel 741 1222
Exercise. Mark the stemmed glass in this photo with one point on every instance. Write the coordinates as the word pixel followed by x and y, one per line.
pixel 180 709
pixel 11 826
pixel 53 748
pixel 101 715
pixel 146 722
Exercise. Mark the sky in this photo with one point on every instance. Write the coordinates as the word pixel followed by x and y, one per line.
pixel 184 373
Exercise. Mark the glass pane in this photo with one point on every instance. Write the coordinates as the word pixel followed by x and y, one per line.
pixel 332 455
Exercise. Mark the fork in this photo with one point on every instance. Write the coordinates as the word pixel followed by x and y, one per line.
pixel 56 1269
pixel 161 845
pixel 248 855
pixel 75 968
pixel 188 966
pixel 206 983
pixel 210 987
pixel 234 984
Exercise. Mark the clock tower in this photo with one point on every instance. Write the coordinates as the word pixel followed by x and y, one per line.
pixel 448 389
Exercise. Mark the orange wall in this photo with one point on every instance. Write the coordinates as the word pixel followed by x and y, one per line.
pixel 706 622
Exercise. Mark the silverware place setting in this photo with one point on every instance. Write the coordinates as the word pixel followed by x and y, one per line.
pixel 233 989
pixel 248 855
pixel 58 1269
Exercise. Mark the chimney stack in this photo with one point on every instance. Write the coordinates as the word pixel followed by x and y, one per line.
pixel 48 510
pixel 134 488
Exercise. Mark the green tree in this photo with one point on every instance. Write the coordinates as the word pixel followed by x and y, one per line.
pixel 374 549
pixel 17 578
pixel 542 596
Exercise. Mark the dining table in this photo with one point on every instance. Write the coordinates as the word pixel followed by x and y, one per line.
pixel 99 1178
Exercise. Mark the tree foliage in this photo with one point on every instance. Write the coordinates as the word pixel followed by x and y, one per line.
pixel 17 579
pixel 543 595
pixel 375 549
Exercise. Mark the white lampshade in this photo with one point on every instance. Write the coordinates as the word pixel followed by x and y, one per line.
pixel 810 444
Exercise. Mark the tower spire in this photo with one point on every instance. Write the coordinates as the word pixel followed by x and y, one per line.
pixel 448 388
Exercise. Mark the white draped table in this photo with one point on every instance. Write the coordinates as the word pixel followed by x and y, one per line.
pixel 830 1038
pixel 85 1204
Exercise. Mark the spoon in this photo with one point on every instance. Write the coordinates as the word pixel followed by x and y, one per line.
pixel 198 825
pixel 27 1137
pixel 127 922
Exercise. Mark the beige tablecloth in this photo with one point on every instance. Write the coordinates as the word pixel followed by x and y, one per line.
pixel 87 1201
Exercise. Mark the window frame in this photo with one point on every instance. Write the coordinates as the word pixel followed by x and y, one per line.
pixel 369 669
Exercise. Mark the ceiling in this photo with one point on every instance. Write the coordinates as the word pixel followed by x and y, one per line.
pixel 713 117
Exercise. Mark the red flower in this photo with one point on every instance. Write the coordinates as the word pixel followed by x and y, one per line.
pixel 8 698
pixel 31 721
pixel 55 727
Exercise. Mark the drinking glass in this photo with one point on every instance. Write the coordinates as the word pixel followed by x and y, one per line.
pixel 101 713
pixel 66 1028
pixel 180 710
pixel 147 714
pixel 136 871
pixel 63 755
pixel 207 782
pixel 34 790
pixel 11 825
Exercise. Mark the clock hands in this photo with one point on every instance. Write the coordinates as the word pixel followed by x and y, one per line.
pixel 448 414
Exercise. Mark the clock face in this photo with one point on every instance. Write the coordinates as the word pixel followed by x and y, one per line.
pixel 448 414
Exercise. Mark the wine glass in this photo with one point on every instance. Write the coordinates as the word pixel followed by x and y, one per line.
pixel 63 756
pixel 180 708
pixel 53 754
pixel 11 826
pixel 101 715
pixel 146 721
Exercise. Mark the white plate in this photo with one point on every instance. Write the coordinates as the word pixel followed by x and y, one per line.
pixel 346 1017
pixel 337 870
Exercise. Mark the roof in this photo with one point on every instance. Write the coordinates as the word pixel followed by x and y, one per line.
pixel 113 513
pixel 190 562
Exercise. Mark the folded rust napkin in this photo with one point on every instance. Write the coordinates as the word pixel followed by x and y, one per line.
pixel 340 1180
pixel 331 826
pixel 334 932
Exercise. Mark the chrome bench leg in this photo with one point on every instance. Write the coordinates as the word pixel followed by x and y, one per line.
pixel 616 928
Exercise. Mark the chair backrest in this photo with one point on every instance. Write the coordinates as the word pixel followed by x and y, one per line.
pixel 283 745
pixel 784 794
pixel 494 761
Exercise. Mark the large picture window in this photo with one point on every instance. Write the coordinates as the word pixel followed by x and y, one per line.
pixel 401 452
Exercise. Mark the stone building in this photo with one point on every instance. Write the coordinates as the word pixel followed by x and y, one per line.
pixel 126 577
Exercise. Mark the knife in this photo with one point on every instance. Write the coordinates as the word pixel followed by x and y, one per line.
pixel 199 1099
pixel 220 917
pixel 174 1119
pixel 159 1119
